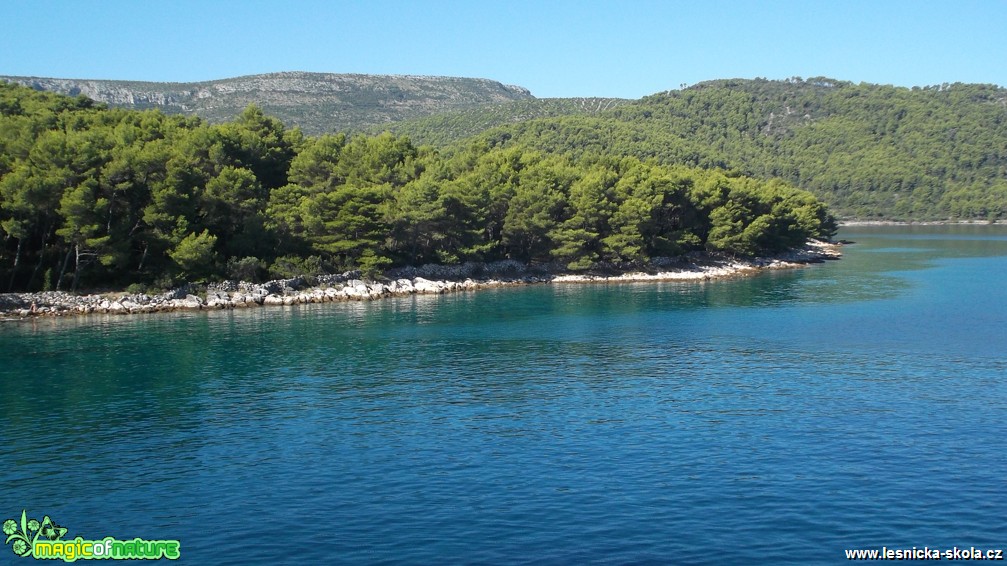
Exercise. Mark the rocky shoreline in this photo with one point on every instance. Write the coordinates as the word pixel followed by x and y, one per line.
pixel 400 282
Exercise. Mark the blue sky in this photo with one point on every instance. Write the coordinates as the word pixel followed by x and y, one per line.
pixel 554 48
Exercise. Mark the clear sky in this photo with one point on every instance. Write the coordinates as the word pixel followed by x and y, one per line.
pixel 555 48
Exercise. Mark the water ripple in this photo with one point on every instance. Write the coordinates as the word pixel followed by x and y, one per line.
pixel 778 419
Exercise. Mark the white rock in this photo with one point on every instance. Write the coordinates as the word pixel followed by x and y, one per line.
pixel 426 286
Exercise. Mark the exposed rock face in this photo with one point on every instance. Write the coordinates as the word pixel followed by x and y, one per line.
pixel 317 102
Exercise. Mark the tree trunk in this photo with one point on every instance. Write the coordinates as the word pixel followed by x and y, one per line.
pixel 143 257
pixel 412 247
pixel 13 271
pixel 41 256
pixel 76 269
pixel 62 270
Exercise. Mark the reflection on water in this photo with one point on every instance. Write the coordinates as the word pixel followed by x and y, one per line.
pixel 856 403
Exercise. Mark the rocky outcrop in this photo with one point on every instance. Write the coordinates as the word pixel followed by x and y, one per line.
pixel 400 282
pixel 317 102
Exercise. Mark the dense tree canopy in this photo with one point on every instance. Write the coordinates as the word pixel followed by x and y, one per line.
pixel 108 197
pixel 869 151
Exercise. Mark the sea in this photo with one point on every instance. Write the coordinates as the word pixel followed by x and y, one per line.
pixel 785 418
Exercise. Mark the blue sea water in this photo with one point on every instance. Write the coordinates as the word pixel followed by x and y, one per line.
pixel 780 418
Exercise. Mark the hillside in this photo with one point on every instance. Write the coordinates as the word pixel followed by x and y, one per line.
pixel 98 196
pixel 869 151
pixel 317 102
pixel 445 128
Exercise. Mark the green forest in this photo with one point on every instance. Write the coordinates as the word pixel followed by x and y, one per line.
pixel 869 151
pixel 92 197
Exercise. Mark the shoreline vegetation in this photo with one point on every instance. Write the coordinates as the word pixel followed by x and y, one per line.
pixel 99 198
pixel 400 282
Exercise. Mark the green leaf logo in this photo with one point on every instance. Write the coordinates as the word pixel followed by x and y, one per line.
pixel 22 536
pixel 51 530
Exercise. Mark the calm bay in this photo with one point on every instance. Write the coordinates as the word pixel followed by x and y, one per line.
pixel 780 418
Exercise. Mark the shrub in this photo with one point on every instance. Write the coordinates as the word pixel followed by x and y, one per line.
pixel 288 267
pixel 248 269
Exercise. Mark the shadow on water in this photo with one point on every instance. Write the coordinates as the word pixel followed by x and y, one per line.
pixel 61 362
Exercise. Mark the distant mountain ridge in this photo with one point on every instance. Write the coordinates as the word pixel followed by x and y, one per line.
pixel 869 151
pixel 317 102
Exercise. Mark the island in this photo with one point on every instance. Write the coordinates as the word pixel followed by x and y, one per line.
pixel 173 212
